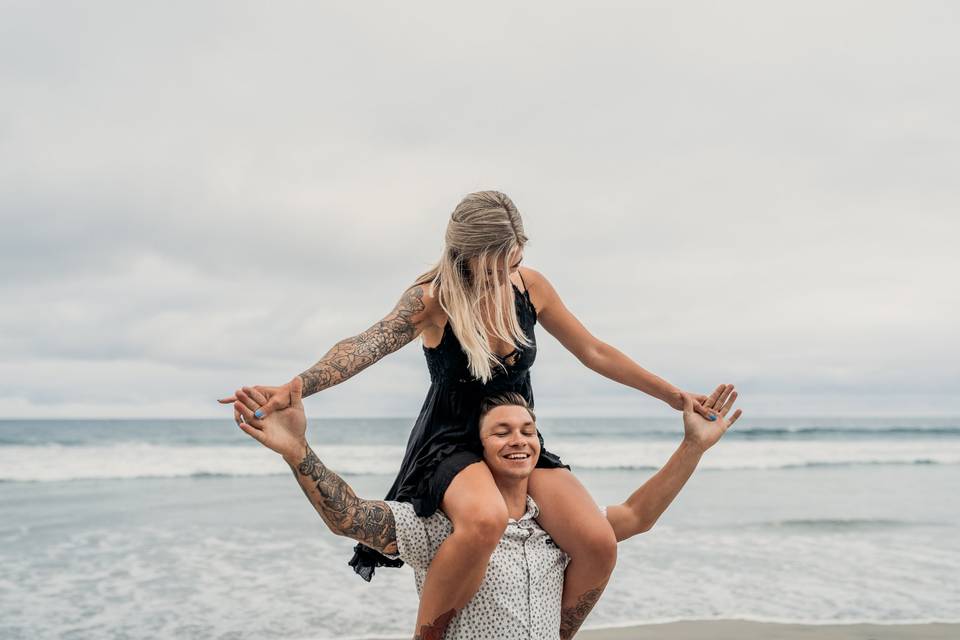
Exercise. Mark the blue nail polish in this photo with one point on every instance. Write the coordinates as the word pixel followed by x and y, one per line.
pixel 712 418
pixel 258 414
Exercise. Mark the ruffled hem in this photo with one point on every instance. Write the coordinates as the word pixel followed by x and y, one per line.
pixel 365 561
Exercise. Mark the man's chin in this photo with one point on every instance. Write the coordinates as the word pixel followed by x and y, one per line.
pixel 514 473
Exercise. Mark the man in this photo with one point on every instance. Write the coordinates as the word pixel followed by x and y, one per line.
pixel 520 593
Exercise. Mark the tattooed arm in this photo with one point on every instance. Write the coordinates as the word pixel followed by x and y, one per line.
pixel 352 355
pixel 409 317
pixel 368 521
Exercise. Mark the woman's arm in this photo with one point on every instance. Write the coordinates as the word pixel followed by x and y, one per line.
pixel 350 356
pixel 591 351
pixel 409 317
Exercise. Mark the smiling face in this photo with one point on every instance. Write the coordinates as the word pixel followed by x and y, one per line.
pixel 510 444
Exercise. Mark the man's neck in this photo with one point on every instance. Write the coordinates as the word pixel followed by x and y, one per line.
pixel 514 493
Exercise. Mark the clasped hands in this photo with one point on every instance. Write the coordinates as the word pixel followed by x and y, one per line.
pixel 286 435
pixel 280 397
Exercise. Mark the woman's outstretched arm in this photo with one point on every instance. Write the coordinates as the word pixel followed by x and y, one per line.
pixel 408 318
pixel 352 355
pixel 594 353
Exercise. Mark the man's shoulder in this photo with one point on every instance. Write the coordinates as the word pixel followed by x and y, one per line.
pixel 399 508
pixel 406 510
pixel 418 536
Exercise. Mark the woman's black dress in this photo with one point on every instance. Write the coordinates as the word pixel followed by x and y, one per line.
pixel 444 439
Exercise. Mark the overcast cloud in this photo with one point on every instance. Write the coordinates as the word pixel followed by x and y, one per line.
pixel 199 195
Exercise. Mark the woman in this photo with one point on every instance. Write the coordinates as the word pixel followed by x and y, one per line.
pixel 475 311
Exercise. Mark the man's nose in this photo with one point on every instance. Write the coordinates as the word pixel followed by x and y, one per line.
pixel 516 440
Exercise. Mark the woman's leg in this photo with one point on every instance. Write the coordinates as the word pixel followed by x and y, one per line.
pixel 571 517
pixel 476 508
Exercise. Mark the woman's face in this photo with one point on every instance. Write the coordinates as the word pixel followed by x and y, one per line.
pixel 514 260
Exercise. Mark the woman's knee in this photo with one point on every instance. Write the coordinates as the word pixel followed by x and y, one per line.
pixel 598 546
pixel 484 526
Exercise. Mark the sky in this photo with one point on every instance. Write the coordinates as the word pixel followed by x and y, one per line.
pixel 196 196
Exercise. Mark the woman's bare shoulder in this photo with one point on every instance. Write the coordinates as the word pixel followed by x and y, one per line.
pixel 540 288
pixel 431 313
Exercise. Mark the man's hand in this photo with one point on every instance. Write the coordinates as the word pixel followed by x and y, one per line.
pixel 270 398
pixel 283 431
pixel 698 403
pixel 703 433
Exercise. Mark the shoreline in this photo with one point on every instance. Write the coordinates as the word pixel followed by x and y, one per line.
pixel 727 629
pixel 734 629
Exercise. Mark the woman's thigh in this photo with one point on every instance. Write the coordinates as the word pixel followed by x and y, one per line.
pixel 567 510
pixel 473 496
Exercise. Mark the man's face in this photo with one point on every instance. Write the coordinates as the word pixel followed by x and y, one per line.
pixel 510 444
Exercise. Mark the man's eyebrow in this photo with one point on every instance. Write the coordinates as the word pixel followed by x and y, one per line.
pixel 507 424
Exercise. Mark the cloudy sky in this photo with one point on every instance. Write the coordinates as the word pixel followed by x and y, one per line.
pixel 200 195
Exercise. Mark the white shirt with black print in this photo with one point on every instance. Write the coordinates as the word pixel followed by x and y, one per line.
pixel 520 593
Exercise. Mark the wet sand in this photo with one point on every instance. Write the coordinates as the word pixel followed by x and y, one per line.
pixel 742 630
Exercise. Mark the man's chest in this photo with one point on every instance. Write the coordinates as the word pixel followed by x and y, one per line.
pixel 520 593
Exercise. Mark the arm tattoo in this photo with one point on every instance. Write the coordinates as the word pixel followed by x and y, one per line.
pixel 572 617
pixel 352 355
pixel 368 521
pixel 437 628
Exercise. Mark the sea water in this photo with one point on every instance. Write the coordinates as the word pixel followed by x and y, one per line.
pixel 188 528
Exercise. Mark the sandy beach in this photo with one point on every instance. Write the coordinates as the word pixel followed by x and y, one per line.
pixel 741 629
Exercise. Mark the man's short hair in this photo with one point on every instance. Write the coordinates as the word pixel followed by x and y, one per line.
pixel 505 398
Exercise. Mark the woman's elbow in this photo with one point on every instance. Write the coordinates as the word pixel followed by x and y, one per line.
pixel 593 355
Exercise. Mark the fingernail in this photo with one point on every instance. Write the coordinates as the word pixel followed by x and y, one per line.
pixel 258 414
pixel 712 417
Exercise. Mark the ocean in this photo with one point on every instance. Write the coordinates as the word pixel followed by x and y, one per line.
pixel 188 528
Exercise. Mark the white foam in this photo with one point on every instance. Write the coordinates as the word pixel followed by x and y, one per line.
pixel 142 460
pixel 759 454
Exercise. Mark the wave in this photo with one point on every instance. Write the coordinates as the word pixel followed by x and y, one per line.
pixel 50 463
pixel 393 431
pixel 840 524
pixel 777 433
pixel 747 467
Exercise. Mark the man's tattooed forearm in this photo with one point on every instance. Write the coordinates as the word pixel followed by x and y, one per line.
pixel 437 628
pixel 352 355
pixel 572 617
pixel 368 521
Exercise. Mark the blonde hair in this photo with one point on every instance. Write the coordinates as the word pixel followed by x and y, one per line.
pixel 485 226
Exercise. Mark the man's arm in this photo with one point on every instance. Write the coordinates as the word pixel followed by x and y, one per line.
pixel 645 505
pixel 368 521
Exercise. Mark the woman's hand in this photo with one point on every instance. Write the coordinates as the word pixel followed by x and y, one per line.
pixel 702 433
pixel 274 399
pixel 698 399
pixel 284 431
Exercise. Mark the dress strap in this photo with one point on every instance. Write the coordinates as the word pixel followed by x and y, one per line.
pixel 521 279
